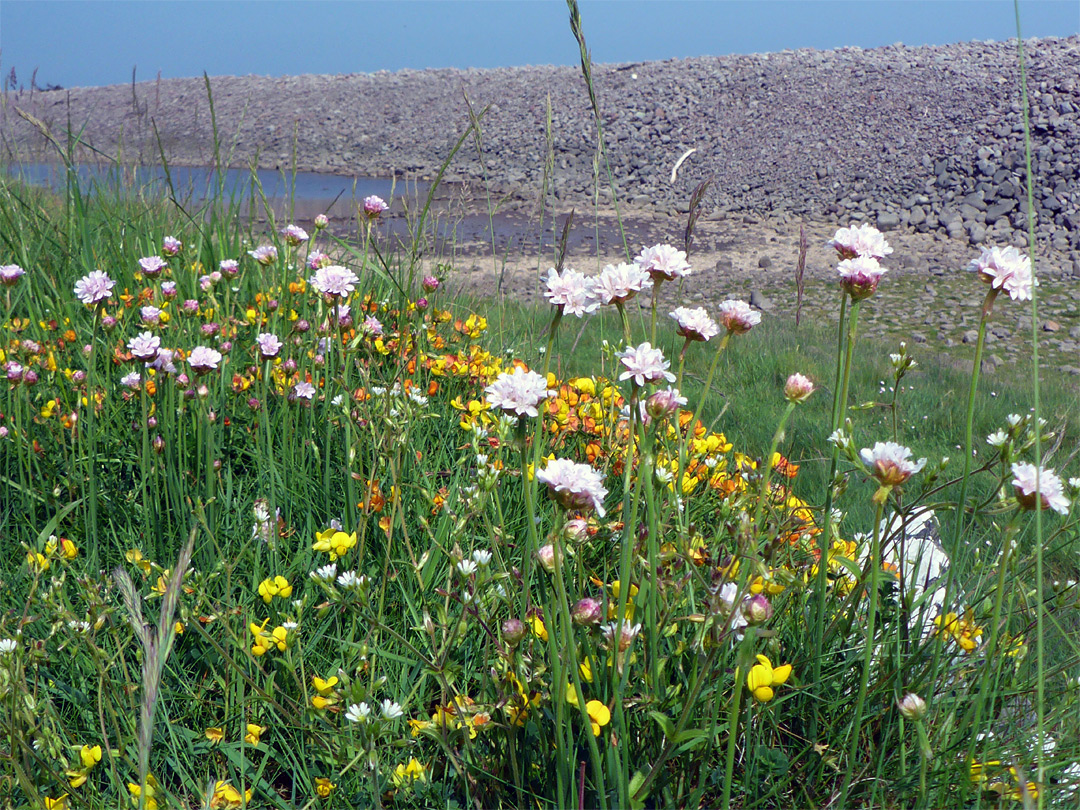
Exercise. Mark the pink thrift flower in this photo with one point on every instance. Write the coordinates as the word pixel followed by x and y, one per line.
pixel 1051 491
pixel 890 463
pixel 798 388
pixel 269 344
pixel 573 485
pixel 1007 270
pixel 860 276
pixel 294 235
pixel 572 292
pixel 170 245
pixel 10 274
pixel 144 347
pixel 334 280
pixel 618 283
pixel 863 241
pixel 374 206
pixel 94 287
pixel 738 317
pixel 203 359
pixel 663 262
pixel 152 266
pixel 519 392
pixel 265 255
pixel 644 364
pixel 695 324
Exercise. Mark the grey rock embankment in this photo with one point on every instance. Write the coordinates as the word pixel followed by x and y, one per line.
pixel 926 139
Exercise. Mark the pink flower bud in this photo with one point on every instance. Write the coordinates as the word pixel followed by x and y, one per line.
pixel 513 631
pixel 587 611
pixel 798 388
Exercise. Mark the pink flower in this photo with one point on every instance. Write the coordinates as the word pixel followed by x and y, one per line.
pixel 144 347
pixel 1051 491
pixel 203 359
pixel 10 273
pixel 334 280
pixel 890 463
pixel 321 221
pixel 150 315
pixel 170 245
pixel 229 267
pixel 572 292
pixel 374 206
pixel 269 344
pixel 430 284
pixel 574 486
pixel 695 324
pixel 737 316
pixel 663 262
pixel 860 276
pixel 519 392
pixel 664 404
pixel 131 380
pixel 304 390
pixel 93 287
pixel 265 255
pixel 644 364
pixel 864 240
pixel 1007 270
pixel 318 259
pixel 798 388
pixel 294 235
pixel 168 289
pixel 152 265
pixel 373 326
pixel 619 283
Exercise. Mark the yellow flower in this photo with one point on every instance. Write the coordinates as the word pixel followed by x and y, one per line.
pixel 262 640
pixel 762 678
pixel 538 628
pixel 280 636
pixel 409 773
pixel 178 628
pixel 136 792
pixel 75 778
pixel 90 756
pixel 585 668
pixel 320 702
pixel 324 687
pixel 135 557
pixel 334 542
pixel 254 732
pixel 323 786
pixel 215 734
pixel 274 586
pixel 59 803
pixel 599 715
pixel 37 562
pixel 227 797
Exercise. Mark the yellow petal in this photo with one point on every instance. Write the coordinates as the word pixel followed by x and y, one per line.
pixel 781 674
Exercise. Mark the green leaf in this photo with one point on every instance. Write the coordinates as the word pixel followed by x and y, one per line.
pixel 636 782
pixel 665 722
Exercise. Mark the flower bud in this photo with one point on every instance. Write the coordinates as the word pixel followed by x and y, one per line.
pixel 158 444
pixel 321 221
pixel 798 388
pixel 546 555
pixel 30 377
pixel 513 631
pixel 912 707
pixel 301 326
pixel 421 304
pixel 254 404
pixel 109 322
pixel 151 422
pixel 757 609
pixel 587 611
pixel 430 284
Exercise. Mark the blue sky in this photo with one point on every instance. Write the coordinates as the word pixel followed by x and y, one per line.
pixel 89 42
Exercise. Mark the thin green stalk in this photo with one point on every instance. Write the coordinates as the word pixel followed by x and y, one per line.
pixel 778 437
pixel 825 537
pixel 1040 682
pixel 733 717
pixel 868 657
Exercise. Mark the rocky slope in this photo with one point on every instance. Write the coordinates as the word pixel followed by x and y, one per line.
pixel 927 139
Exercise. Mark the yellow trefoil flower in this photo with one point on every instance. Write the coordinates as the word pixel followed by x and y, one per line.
pixel 411 772
pixel 599 715
pixel 274 586
pixel 334 542
pixel 324 687
pixel 763 677
pixel 226 797
pixel 215 734
pixel 323 786
pixel 254 733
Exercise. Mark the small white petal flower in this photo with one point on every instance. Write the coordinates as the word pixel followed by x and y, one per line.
pixel 326 573
pixel 572 291
pixel 663 262
pixel 519 392
pixel 738 317
pixel 1007 270
pixel 619 283
pixel 481 556
pixel 7 646
pixel 358 713
pixel 467 567
pixel 391 710
pixel 997 438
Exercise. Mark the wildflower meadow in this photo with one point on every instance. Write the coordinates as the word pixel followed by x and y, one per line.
pixel 288 524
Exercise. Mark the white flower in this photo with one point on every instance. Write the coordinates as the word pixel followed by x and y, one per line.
pixel 890 463
pixel 997 438
pixel 1007 270
pixel 621 282
pixel 864 240
pixel 358 713
pixel 1013 419
pixel 860 276
pixel 572 291
pixel 264 255
pixel 372 326
pixel 152 265
pixel 519 392
pixel 467 567
pixel 695 324
pixel 349 580
pixel 290 626
pixel 144 346
pixel 1051 491
pixel 737 316
pixel 644 364
pixel 481 556
pixel 391 710
pixel 334 280
pixel 663 262
pixel 79 626
pixel 93 287
pixel 203 359
pixel 269 344
pixel 294 234
pixel 304 390
pixel 573 485
pixel 374 205
pixel 131 380
pixel 7 646
pixel 626 638
pixel 326 573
